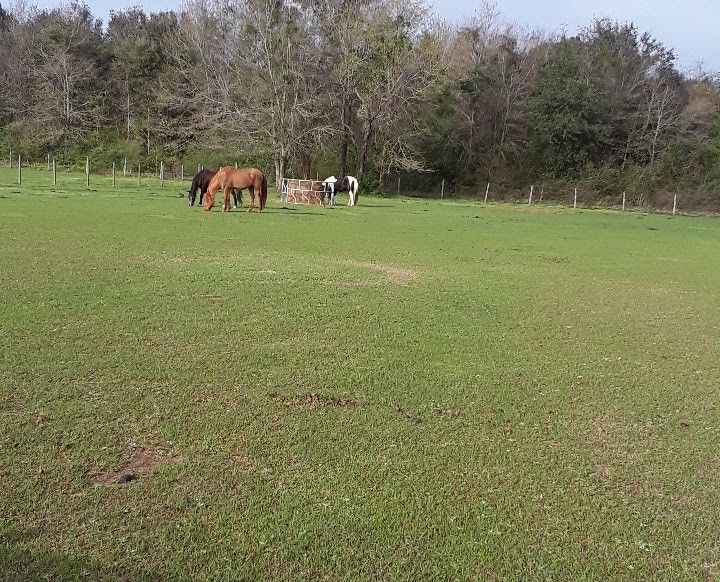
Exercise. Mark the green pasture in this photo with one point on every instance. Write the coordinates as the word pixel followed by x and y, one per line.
pixel 407 389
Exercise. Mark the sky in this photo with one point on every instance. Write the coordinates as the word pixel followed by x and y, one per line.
pixel 690 27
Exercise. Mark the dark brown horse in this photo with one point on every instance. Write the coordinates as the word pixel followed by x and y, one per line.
pixel 229 178
pixel 202 181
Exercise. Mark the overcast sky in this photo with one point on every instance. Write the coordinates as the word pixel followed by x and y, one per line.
pixel 691 27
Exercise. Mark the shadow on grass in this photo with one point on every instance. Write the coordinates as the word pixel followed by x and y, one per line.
pixel 22 564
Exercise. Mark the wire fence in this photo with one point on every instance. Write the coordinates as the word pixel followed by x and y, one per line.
pixel 578 196
pixel 179 173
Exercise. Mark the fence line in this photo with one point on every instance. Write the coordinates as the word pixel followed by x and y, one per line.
pixel 15 160
pixel 52 165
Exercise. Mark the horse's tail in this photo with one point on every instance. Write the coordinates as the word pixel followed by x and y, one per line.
pixel 263 192
pixel 354 185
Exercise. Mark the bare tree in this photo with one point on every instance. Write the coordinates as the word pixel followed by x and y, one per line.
pixel 66 73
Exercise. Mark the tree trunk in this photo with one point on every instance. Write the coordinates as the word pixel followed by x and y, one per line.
pixel 367 132
pixel 127 89
pixel 306 163
pixel 344 143
pixel 280 166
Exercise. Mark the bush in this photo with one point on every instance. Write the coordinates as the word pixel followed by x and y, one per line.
pixel 369 186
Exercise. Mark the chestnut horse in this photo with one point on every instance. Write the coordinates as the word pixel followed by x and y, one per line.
pixel 229 178
pixel 202 181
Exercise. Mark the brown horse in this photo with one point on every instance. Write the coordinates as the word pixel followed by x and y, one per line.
pixel 229 178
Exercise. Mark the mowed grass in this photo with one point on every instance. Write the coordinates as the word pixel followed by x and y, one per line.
pixel 501 392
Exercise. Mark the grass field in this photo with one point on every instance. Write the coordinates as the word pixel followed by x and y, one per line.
pixel 403 390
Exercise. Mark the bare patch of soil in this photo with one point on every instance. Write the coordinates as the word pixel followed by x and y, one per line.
pixel 355 283
pixel 602 433
pixel 312 401
pixel 140 463
pixel 395 274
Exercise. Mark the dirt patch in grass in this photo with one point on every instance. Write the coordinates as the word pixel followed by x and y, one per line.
pixel 602 434
pixel 363 283
pixel 602 430
pixel 436 412
pixel 645 491
pixel 710 471
pixel 616 447
pixel 313 401
pixel 141 462
pixel 393 273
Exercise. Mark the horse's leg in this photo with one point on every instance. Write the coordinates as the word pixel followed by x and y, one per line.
pixel 226 199
pixel 234 195
pixel 251 189
pixel 258 188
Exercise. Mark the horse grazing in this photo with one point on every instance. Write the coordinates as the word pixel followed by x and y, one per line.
pixel 202 181
pixel 229 178
pixel 333 185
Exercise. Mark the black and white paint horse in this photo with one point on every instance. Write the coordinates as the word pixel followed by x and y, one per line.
pixel 202 181
pixel 333 185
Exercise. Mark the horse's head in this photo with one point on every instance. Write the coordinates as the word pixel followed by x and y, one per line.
pixel 209 200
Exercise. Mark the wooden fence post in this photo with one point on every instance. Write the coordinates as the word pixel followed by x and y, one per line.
pixel 19 171
pixel 87 171
pixel 162 174
pixel 125 168
pixel 487 191
pixel 575 199
pixel 54 173
pixel 442 189
pixel 674 203
pixel 113 174
pixel 139 170
pixel 532 187
pixel 48 165
pixel 623 201
pixel 11 159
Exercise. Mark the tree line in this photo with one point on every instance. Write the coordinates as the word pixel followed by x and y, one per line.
pixel 382 89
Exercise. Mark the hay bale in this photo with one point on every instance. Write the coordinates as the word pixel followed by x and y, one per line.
pixel 304 191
